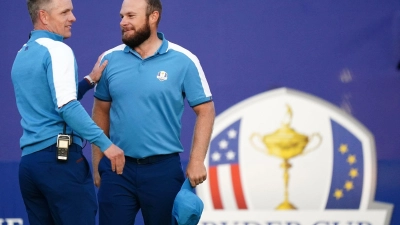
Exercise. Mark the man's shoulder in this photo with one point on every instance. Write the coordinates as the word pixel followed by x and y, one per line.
pixel 118 48
pixel 53 44
pixel 172 47
pixel 56 49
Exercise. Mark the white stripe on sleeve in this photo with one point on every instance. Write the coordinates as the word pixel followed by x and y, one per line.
pixel 63 65
pixel 196 61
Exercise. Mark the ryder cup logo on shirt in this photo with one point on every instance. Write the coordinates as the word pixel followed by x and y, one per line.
pixel 162 76
pixel 286 157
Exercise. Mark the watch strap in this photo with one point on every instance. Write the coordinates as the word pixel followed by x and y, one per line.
pixel 89 79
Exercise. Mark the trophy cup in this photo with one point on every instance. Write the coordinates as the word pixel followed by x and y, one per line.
pixel 285 143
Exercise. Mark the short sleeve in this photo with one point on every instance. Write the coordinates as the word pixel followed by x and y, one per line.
pixel 195 84
pixel 101 90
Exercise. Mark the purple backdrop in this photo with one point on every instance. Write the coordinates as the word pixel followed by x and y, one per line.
pixel 345 52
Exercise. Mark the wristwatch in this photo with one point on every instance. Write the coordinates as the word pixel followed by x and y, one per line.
pixel 88 78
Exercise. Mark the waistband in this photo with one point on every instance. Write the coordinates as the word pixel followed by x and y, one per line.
pixel 150 159
pixel 72 148
pixel 26 150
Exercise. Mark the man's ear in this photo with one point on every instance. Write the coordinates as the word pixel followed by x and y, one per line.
pixel 154 17
pixel 43 17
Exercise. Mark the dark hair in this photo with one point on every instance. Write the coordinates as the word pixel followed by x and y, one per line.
pixel 154 5
pixel 35 5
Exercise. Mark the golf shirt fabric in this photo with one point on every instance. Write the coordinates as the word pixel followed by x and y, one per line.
pixel 147 96
pixel 44 75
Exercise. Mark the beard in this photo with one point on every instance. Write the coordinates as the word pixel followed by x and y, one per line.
pixel 140 36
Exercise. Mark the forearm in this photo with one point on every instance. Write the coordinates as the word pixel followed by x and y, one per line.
pixel 100 116
pixel 202 133
pixel 78 119
pixel 83 87
pixel 196 171
pixel 96 157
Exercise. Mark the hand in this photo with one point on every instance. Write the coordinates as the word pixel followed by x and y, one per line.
pixel 96 178
pixel 196 172
pixel 98 69
pixel 117 158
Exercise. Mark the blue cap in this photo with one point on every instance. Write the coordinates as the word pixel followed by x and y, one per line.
pixel 188 206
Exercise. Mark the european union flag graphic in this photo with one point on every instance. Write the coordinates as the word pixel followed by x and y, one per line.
pixel 224 152
pixel 347 176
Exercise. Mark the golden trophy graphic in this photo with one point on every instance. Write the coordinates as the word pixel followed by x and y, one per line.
pixel 285 143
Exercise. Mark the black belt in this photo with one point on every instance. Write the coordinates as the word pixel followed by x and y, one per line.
pixel 150 159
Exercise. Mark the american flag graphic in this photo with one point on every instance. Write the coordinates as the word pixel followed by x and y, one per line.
pixel 224 154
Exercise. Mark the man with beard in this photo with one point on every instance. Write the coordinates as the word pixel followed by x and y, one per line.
pixel 56 188
pixel 139 103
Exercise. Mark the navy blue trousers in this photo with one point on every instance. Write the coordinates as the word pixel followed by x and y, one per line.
pixel 57 192
pixel 147 185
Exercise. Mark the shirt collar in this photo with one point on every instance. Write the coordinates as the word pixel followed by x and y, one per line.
pixel 164 46
pixel 35 34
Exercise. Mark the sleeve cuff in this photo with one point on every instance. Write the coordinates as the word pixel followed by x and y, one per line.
pixel 103 142
pixel 200 101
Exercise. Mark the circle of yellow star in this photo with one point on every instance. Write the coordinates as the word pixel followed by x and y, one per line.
pixel 353 173
pixel 348 185
pixel 343 149
pixel 338 194
pixel 351 159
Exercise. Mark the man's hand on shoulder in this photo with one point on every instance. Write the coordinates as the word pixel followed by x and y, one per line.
pixel 97 70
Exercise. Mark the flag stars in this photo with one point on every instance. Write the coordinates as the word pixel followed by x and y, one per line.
pixel 351 159
pixel 224 148
pixel 348 185
pixel 338 194
pixel 223 144
pixel 230 155
pixel 232 133
pixel 216 156
pixel 353 173
pixel 343 149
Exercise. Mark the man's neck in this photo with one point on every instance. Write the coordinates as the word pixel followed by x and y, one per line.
pixel 149 47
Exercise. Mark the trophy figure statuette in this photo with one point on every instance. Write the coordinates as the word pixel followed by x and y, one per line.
pixel 285 143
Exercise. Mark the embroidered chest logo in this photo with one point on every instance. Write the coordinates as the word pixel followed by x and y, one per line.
pixel 162 76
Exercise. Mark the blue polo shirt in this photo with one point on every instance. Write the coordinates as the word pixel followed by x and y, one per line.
pixel 44 76
pixel 148 95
